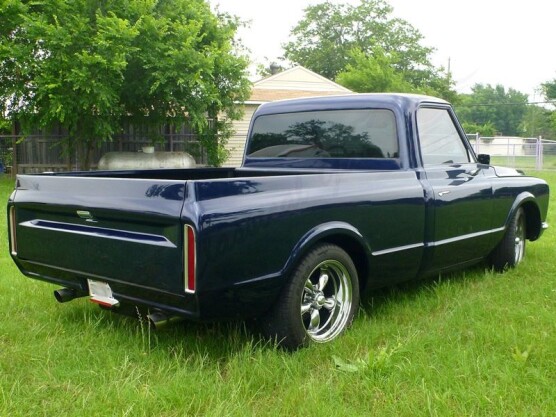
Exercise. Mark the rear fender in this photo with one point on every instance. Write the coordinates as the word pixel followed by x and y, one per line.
pixel 340 233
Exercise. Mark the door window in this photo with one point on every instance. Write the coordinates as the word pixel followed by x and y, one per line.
pixel 439 138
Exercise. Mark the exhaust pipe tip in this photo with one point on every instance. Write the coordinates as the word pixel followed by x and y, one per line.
pixel 63 295
pixel 159 319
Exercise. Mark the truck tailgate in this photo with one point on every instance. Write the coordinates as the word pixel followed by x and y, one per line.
pixel 121 231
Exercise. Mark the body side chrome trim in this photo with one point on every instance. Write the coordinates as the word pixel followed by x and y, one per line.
pixel 398 249
pixel 464 237
pixel 438 243
pixel 98 232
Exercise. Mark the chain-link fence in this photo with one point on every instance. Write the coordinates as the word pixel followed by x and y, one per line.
pixel 517 152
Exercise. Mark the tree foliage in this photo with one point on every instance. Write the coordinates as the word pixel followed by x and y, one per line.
pixel 378 73
pixel 486 130
pixel 548 120
pixel 549 89
pixel 365 49
pixel 504 109
pixel 87 63
pixel 324 38
pixel 539 121
pixel 63 62
pixel 374 73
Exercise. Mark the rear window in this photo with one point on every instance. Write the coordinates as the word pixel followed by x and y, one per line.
pixel 325 134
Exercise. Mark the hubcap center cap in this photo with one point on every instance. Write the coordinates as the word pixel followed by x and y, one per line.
pixel 320 300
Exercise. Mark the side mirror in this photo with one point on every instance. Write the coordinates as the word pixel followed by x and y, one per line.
pixel 483 158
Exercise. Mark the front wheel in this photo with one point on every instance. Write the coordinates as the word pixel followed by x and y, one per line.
pixel 511 249
pixel 318 303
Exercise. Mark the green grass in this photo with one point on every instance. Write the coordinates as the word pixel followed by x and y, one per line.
pixel 470 344
pixel 524 162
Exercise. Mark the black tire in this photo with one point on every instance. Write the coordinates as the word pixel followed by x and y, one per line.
pixel 511 249
pixel 319 301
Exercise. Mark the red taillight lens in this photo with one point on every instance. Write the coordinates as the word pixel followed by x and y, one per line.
pixel 190 259
pixel 13 223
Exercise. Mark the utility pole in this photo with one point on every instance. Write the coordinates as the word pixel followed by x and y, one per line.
pixel 449 74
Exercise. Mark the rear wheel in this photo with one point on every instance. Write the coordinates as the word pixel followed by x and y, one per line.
pixel 319 301
pixel 511 250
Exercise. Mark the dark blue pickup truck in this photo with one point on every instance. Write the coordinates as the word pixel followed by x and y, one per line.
pixel 335 195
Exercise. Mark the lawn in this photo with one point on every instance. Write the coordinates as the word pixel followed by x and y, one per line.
pixel 474 343
pixel 527 163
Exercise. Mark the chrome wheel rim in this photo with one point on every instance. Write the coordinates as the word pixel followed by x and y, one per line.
pixel 326 301
pixel 519 240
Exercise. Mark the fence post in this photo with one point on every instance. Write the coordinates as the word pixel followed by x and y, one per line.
pixel 539 154
pixel 14 150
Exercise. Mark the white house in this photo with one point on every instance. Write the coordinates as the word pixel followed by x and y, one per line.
pixel 295 82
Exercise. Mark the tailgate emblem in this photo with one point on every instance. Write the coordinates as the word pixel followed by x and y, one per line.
pixel 86 215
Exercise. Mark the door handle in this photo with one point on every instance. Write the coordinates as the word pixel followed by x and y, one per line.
pixel 443 193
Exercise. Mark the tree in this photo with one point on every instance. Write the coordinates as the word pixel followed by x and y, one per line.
pixel 486 130
pixel 85 64
pixel 378 73
pixel 505 110
pixel 549 89
pixel 539 121
pixel 374 73
pixel 324 39
pixel 186 67
pixel 63 62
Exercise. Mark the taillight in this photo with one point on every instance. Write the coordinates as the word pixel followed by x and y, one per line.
pixel 190 258
pixel 13 243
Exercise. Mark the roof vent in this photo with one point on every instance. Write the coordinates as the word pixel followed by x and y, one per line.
pixel 275 68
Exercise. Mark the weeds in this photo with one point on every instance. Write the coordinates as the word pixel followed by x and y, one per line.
pixel 145 332
pixel 375 361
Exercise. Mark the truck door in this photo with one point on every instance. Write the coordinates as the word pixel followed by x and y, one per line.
pixel 459 193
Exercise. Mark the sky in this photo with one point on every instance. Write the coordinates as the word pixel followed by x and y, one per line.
pixel 485 41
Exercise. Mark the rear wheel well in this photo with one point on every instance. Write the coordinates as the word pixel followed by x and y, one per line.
pixel 357 253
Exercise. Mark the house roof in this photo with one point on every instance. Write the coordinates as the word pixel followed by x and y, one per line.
pixel 295 82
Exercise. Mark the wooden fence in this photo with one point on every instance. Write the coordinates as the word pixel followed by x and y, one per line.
pixel 42 151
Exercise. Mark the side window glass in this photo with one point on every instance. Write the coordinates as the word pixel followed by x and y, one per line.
pixel 439 138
